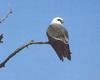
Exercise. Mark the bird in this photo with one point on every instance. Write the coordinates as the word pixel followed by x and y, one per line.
pixel 59 39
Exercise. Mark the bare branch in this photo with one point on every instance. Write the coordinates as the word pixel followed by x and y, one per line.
pixel 2 64
pixel 6 16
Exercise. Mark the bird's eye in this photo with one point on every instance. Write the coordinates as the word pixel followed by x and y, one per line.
pixel 59 19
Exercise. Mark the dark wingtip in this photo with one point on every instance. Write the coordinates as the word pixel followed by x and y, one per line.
pixel 62 60
pixel 69 57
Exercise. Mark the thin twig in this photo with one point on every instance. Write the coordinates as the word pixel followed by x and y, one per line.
pixel 1 37
pixel 6 16
pixel 2 64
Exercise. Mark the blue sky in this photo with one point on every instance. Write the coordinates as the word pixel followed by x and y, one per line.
pixel 30 21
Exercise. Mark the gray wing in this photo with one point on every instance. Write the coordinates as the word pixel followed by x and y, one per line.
pixel 58 37
pixel 58 32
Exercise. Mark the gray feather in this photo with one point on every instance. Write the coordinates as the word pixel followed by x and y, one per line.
pixel 58 37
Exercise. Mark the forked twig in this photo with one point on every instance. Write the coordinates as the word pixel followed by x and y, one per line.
pixel 2 64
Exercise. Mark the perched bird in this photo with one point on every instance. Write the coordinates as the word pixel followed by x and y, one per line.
pixel 58 38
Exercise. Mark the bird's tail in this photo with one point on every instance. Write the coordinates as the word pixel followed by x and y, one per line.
pixel 67 52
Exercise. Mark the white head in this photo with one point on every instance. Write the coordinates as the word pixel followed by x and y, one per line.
pixel 57 20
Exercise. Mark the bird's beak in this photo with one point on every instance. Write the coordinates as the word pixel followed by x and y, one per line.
pixel 62 22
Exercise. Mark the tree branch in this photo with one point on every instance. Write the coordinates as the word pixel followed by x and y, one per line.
pixel 2 64
pixel 1 37
pixel 6 16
